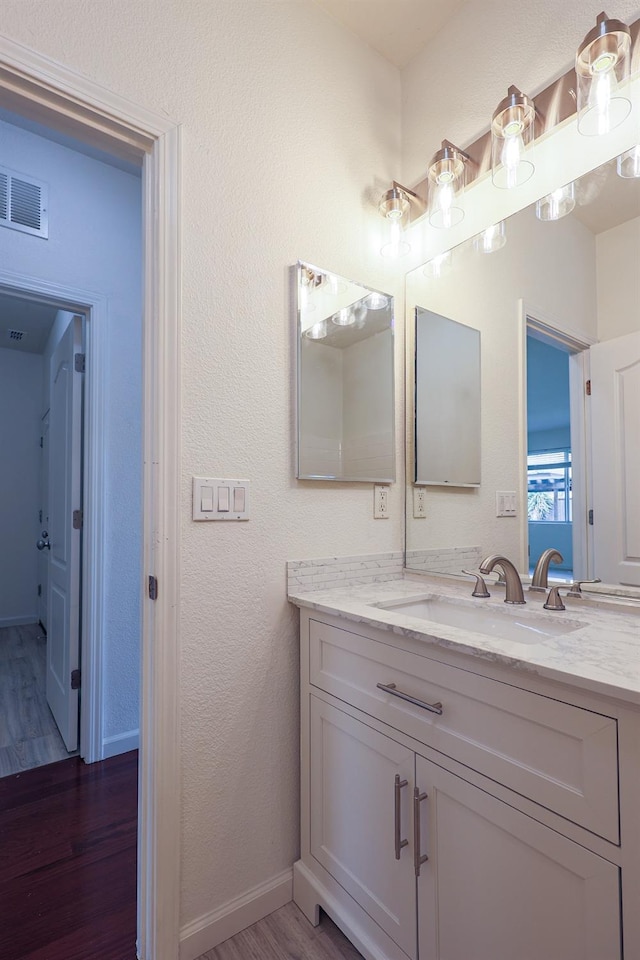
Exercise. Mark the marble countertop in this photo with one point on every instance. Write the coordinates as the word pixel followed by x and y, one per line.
pixel 601 653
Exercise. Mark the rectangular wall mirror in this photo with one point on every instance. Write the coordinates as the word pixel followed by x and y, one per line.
pixel 345 398
pixel 557 302
pixel 447 401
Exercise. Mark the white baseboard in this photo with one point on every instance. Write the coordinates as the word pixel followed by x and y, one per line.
pixel 122 743
pixel 213 928
pixel 18 621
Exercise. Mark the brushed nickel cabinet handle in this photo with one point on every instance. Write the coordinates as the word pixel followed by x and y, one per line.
pixel 399 844
pixel 393 690
pixel 418 858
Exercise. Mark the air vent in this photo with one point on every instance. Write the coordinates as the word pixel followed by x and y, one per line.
pixel 23 203
pixel 16 335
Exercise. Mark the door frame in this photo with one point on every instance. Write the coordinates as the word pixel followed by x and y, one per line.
pixel 556 331
pixel 42 90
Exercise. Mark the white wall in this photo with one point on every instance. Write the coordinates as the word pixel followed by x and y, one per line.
pixel 20 387
pixel 368 423
pixel 320 421
pixel 95 244
pixel 483 291
pixel 291 131
pixel 618 280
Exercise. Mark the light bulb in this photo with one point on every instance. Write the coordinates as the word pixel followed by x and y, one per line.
pixel 437 266
pixel 377 301
pixel 395 246
pixel 600 100
pixel 511 157
pixel 628 165
pixel 344 317
pixel 318 331
pixel 491 239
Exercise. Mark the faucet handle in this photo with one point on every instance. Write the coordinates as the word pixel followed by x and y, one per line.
pixel 480 589
pixel 575 590
pixel 554 600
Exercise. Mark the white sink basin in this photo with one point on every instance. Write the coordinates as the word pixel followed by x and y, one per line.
pixel 516 623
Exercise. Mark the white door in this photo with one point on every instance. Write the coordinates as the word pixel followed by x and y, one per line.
pixel 43 555
pixel 63 635
pixel 615 419
pixel 354 826
pixel 498 885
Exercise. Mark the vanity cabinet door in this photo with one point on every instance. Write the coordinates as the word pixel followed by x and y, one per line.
pixel 499 885
pixel 353 818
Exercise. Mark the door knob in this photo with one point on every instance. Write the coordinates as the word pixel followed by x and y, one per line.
pixel 43 543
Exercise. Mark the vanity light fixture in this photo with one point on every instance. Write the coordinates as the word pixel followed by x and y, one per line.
pixel 394 207
pixel 377 301
pixel 512 130
pixel 628 164
pixel 491 239
pixel 557 204
pixel 438 266
pixel 602 68
pixel 446 177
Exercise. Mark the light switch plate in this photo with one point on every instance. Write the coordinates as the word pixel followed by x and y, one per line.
pixel 218 498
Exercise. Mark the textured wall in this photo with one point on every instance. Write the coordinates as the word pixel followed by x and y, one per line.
pixel 20 387
pixel 94 244
pixel 290 125
pixel 618 280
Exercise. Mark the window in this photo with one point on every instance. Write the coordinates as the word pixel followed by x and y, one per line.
pixel 549 486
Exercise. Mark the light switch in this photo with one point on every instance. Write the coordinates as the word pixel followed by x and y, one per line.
pixel 238 500
pixel 206 499
pixel 506 503
pixel 223 499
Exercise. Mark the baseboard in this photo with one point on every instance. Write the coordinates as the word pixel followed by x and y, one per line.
pixel 122 743
pixel 18 621
pixel 213 928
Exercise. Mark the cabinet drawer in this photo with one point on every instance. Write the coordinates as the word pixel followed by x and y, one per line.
pixel 556 754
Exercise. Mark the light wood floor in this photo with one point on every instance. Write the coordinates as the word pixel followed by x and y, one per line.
pixel 28 733
pixel 286 935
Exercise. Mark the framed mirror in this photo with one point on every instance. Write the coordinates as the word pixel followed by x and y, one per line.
pixel 558 308
pixel 345 379
pixel 447 401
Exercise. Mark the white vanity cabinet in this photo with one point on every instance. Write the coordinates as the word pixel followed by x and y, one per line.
pixel 489 831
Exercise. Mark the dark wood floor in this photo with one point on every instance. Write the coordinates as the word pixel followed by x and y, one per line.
pixel 68 861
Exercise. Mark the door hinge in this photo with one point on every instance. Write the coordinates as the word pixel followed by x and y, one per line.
pixel 41 442
pixel 39 589
pixel 590 515
pixel 77 519
pixel 75 679
pixel 79 362
pixel 40 516
pixel 587 388
pixel 153 588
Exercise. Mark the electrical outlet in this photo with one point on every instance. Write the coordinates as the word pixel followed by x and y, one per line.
pixel 380 502
pixel 419 503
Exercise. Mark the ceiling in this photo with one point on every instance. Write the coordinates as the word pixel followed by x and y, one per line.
pixel 28 317
pixel 605 200
pixel 397 29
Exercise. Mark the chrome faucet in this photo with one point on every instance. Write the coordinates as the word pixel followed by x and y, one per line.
pixel 539 581
pixel 514 592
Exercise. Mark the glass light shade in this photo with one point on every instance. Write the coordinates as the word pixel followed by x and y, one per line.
pixel 557 204
pixel 628 164
pixel 512 132
pixel 377 301
pixel 394 207
pixel 317 332
pixel 438 266
pixel 344 317
pixel 446 186
pixel 602 68
pixel 491 239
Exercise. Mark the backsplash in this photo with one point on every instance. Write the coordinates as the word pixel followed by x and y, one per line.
pixel 444 559
pixel 343 571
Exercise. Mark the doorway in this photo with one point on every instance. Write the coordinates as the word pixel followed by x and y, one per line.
pixel 556 460
pixel 42 91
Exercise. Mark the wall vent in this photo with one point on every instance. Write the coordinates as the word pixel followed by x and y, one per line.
pixel 16 335
pixel 23 203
